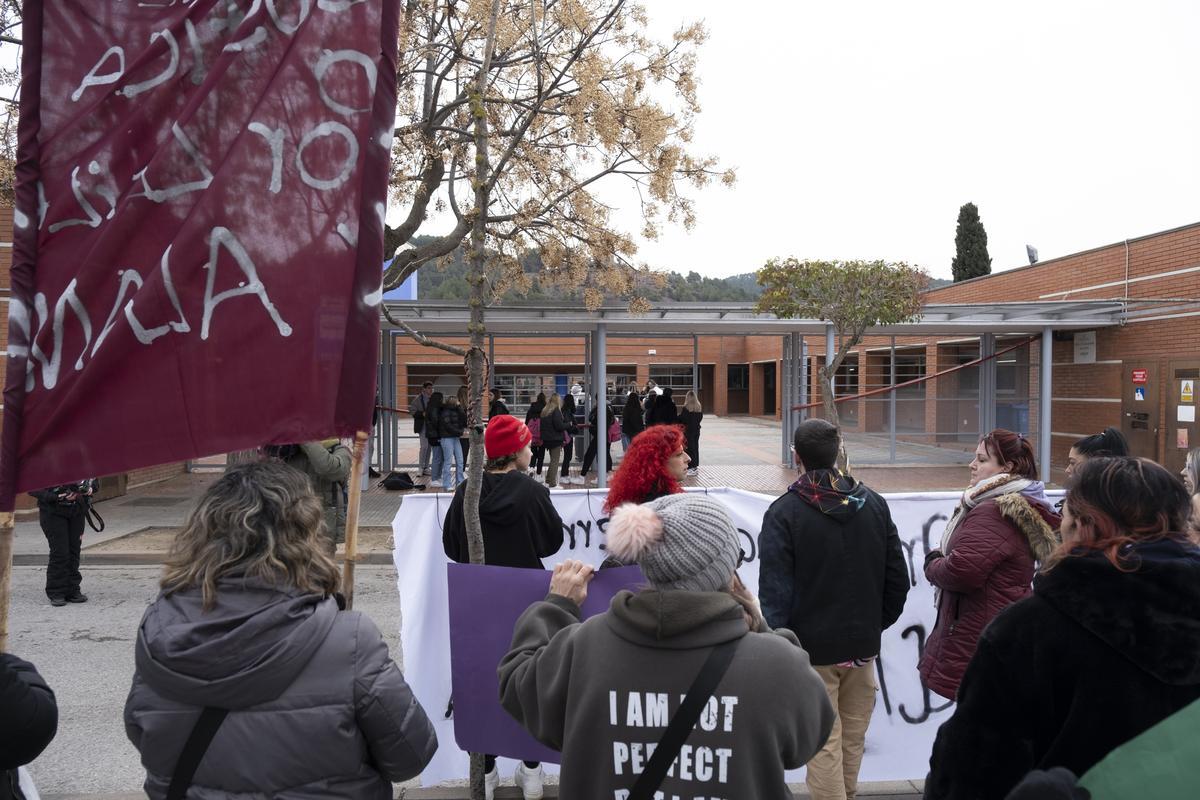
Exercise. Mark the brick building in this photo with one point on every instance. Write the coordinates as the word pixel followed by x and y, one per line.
pixel 1156 278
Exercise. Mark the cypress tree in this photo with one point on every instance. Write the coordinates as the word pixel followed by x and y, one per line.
pixel 971 258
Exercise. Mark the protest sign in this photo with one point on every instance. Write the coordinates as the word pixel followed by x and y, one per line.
pixel 907 714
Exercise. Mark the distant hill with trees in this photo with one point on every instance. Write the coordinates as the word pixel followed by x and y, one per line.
pixel 448 281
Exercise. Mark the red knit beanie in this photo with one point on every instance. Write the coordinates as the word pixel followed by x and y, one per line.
pixel 504 436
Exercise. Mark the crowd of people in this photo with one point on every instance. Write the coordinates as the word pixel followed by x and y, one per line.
pixel 555 422
pixel 1062 632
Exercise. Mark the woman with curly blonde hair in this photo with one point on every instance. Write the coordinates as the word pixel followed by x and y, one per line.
pixel 247 634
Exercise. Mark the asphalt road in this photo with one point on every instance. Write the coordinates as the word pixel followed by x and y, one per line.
pixel 85 652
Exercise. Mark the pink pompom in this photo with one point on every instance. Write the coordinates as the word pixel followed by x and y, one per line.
pixel 632 531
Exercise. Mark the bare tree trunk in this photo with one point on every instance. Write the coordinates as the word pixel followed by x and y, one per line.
pixel 475 355
pixel 6 543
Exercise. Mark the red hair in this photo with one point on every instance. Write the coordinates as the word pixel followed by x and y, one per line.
pixel 643 472
pixel 1012 448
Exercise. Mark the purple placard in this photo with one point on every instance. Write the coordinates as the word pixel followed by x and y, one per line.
pixel 485 603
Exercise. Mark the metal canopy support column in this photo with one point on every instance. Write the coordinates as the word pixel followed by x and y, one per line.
pixel 696 365
pixel 787 401
pixel 804 381
pixel 1044 397
pixel 599 367
pixel 829 355
pixel 987 384
pixel 892 405
pixel 491 368
pixel 386 433
pixel 589 383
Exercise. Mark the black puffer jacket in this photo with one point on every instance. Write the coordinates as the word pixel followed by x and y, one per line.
pixel 28 719
pixel 1094 658
pixel 452 421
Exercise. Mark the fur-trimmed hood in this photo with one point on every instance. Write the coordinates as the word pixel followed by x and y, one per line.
pixel 1150 615
pixel 1035 520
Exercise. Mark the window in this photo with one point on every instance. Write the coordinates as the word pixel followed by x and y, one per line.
pixel 679 378
pixel 738 377
pixel 846 380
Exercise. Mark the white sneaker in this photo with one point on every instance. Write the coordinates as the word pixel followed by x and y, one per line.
pixel 490 781
pixel 436 484
pixel 539 478
pixel 529 781
pixel 691 473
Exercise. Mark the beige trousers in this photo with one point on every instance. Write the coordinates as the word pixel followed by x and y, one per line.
pixel 833 773
pixel 552 470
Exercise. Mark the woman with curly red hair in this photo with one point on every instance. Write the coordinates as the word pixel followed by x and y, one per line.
pixel 653 467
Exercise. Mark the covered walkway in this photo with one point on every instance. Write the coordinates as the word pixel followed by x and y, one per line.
pixel 978 325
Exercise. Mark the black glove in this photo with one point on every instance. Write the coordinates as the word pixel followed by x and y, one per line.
pixel 934 555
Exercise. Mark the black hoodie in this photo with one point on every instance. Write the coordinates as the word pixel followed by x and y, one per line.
pixel 1095 657
pixel 520 524
pixel 832 569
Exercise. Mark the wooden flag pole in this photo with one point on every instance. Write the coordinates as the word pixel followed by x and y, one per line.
pixel 6 546
pixel 355 494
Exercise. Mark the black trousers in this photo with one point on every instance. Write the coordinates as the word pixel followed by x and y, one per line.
pixel 590 456
pixel 539 456
pixel 693 450
pixel 64 533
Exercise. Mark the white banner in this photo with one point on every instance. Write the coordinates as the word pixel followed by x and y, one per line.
pixel 906 714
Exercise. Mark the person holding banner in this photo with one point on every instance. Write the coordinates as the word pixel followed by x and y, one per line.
pixel 608 692
pixel 1104 649
pixel 832 571
pixel 1003 525
pixel 520 528
pixel 327 465
pixel 246 663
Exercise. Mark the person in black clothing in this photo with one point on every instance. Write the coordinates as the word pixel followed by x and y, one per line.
pixel 598 434
pixel 29 715
pixel 538 447
pixel 433 433
pixel 497 407
pixel 520 528
pixel 631 420
pixel 452 422
pixel 568 415
pixel 833 572
pixel 663 412
pixel 690 417
pixel 62 511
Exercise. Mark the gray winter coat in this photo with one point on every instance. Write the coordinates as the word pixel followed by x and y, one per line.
pixel 318 709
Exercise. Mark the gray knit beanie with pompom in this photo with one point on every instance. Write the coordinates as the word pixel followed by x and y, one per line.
pixel 681 541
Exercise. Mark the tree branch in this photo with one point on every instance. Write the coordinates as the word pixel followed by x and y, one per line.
pixel 421 338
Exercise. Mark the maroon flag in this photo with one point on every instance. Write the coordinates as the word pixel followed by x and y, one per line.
pixel 198 232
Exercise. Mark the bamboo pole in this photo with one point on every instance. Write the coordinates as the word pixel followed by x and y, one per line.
pixel 355 493
pixel 6 545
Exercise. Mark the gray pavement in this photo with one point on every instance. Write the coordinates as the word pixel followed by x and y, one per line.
pixel 85 653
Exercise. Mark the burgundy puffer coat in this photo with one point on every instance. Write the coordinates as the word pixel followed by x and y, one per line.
pixel 990 567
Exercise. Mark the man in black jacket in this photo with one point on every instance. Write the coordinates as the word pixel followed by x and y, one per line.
pixel 833 572
pixel 30 720
pixel 62 511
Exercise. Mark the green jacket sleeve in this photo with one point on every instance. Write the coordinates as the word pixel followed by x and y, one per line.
pixel 535 676
pixel 329 466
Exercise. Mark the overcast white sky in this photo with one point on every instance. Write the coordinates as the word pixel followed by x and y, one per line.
pixel 859 128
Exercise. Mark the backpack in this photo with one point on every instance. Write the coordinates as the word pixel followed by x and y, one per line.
pixel 535 427
pixel 398 481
